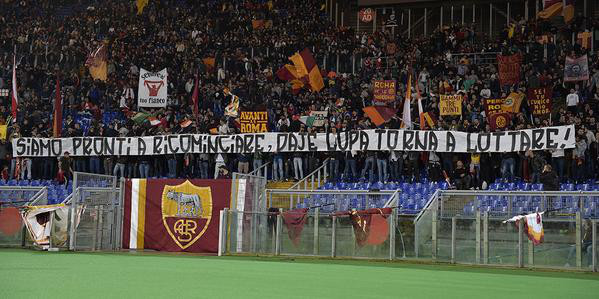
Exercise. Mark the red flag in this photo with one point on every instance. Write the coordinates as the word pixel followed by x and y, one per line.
pixel 499 120
pixel 509 68
pixel 14 96
pixel 194 98
pixel 57 111
pixel 370 226
pixel 294 221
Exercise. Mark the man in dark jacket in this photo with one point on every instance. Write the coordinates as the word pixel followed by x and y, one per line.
pixel 550 182
pixel 549 179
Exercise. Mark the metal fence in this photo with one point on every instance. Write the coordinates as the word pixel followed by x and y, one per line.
pixel 446 230
pixel 323 234
pixel 84 179
pixel 95 219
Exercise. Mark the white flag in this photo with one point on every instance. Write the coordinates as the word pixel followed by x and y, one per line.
pixel 153 89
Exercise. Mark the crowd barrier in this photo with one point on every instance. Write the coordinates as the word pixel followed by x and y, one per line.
pixel 447 229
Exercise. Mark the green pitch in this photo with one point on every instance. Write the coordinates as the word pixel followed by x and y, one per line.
pixel 32 274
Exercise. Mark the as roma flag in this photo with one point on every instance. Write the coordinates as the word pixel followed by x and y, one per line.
pixel 294 221
pixel 370 226
pixel 174 214
pixel 533 226
pixel 498 121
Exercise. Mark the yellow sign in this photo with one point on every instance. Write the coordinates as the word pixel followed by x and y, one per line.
pixel 253 121
pixel 450 105
pixel 186 212
pixel 3 129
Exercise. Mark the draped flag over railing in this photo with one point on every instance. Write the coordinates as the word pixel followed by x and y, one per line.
pixel 533 226
pixel 371 226
pixel 294 221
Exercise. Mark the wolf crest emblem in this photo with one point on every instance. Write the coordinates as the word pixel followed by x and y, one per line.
pixel 186 212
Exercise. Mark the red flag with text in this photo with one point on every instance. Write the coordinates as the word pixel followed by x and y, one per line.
pixel 509 69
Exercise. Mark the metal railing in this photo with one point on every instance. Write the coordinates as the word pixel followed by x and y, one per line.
pixel 20 195
pixel 570 239
pixel 40 198
pixel 261 171
pixel 316 177
pixel 323 234
pixel 336 200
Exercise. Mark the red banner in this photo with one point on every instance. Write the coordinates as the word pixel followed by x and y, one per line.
pixel 384 91
pixel 539 100
pixel 499 120
pixel 174 214
pixel 509 69
pixel 493 106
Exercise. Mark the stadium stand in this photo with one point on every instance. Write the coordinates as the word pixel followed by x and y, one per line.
pixel 219 41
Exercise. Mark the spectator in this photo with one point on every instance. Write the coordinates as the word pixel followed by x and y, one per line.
pixel 572 101
pixel 461 177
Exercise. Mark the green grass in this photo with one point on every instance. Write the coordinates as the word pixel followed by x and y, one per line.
pixel 34 274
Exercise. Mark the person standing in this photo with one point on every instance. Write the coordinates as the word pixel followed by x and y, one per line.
pixel 578 156
pixel 550 182
pixel 350 164
pixel 119 167
pixel 558 161
pixel 144 167
pixel 369 166
pixel 65 168
pixel 277 167
pixel 243 163
pixel 572 101
pixel 382 161
pixel 396 163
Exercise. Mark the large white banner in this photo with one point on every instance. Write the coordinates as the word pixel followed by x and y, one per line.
pixel 368 140
pixel 153 89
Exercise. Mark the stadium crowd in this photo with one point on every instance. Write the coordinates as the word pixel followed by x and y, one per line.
pixel 51 42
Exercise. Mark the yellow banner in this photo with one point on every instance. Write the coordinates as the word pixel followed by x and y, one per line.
pixel 253 121
pixel 450 105
pixel 3 129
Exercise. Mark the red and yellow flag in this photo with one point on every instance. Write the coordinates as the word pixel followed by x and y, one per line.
pixel 305 66
pixel 96 62
pixel 379 114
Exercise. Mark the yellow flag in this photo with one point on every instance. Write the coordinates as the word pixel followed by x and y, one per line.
pixel 300 66
pixel 141 4
pixel 3 132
